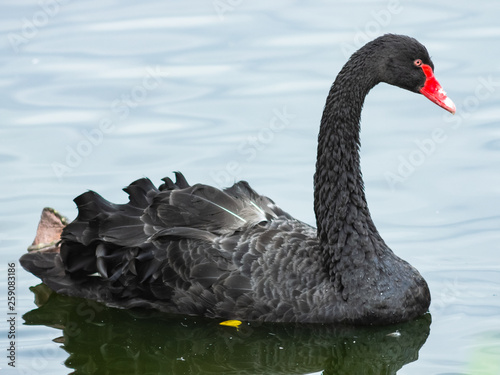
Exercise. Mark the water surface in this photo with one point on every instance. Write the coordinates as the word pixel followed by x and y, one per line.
pixel 96 95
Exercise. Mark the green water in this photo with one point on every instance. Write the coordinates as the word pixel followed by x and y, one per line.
pixel 101 340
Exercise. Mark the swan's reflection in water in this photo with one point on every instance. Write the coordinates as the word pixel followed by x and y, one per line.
pixel 102 340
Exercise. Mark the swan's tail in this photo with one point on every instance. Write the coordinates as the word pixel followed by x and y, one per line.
pixel 124 244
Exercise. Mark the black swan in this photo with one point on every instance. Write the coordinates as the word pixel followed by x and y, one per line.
pixel 232 253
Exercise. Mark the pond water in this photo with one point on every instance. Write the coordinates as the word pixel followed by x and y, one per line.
pixel 97 94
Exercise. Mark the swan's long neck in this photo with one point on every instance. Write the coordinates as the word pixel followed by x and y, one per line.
pixel 343 220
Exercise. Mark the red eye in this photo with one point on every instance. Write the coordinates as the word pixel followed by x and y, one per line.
pixel 417 62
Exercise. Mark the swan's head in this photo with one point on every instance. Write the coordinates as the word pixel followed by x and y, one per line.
pixel 404 62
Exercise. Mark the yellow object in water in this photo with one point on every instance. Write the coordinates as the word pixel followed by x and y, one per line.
pixel 230 323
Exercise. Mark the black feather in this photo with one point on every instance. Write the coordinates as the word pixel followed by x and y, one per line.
pixel 232 253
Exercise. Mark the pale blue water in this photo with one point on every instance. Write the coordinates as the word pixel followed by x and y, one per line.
pixel 97 94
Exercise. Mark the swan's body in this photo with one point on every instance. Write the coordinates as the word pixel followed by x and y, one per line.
pixel 234 254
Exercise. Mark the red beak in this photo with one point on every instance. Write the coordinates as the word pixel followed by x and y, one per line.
pixel 433 91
